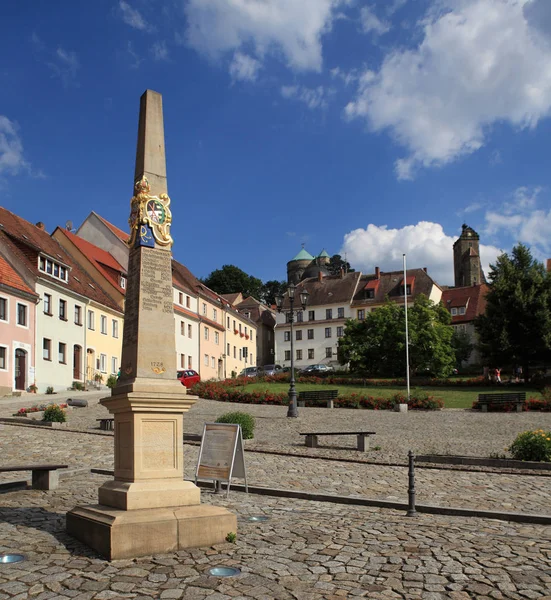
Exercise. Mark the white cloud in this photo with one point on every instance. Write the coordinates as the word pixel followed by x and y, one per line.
pixel 132 17
pixel 244 67
pixel 480 62
pixel 136 60
pixel 370 22
pixel 313 97
pixel 472 207
pixel 347 76
pixel 12 160
pixel 425 245
pixel 288 29
pixel 159 51
pixel 65 65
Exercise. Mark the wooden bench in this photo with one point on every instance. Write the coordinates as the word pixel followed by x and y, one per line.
pixel 361 436
pixel 318 395
pixel 44 477
pixel 106 424
pixel 517 398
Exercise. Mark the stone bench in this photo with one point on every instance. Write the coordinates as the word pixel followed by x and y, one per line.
pixel 106 424
pixel 362 438
pixel 44 477
pixel 516 398
pixel 316 396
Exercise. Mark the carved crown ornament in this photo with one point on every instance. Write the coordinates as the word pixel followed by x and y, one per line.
pixel 149 215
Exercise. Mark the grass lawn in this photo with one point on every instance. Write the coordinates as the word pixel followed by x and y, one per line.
pixel 453 397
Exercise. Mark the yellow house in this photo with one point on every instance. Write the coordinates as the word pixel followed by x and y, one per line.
pixel 211 334
pixel 240 341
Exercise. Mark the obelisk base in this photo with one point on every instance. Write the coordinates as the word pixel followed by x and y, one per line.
pixel 118 534
pixel 158 493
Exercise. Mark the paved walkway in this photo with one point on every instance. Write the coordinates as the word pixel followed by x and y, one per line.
pixel 307 550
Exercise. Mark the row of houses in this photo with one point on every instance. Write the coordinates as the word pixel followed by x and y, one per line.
pixel 62 310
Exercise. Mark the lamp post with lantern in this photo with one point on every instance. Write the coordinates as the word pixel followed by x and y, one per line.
pixel 293 410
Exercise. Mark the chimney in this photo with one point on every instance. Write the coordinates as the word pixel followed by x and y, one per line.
pixel 342 273
pixel 425 269
pixel 40 225
pixel 377 273
pixel 320 276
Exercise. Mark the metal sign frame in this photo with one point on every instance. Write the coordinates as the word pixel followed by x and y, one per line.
pixel 234 466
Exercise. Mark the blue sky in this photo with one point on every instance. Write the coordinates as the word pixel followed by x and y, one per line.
pixel 368 128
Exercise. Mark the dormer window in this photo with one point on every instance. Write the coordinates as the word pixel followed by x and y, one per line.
pixel 408 289
pixel 370 294
pixel 123 282
pixel 454 312
pixel 461 310
pixel 53 268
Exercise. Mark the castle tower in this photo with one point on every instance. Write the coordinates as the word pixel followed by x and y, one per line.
pixel 297 266
pixel 324 258
pixel 466 259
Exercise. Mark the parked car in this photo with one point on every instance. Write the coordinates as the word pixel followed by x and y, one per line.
pixel 188 377
pixel 251 372
pixel 313 369
pixel 272 369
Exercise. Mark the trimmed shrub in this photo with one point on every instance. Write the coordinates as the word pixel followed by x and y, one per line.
pixel 49 390
pixel 111 381
pixel 77 385
pixel 54 414
pixel 532 445
pixel 240 418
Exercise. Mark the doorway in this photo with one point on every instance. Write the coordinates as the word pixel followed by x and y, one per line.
pixel 77 351
pixel 20 369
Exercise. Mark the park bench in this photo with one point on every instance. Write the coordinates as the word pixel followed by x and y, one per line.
pixel 517 398
pixel 361 436
pixel 44 477
pixel 106 424
pixel 317 396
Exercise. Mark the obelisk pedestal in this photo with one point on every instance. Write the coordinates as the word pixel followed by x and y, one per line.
pixel 148 508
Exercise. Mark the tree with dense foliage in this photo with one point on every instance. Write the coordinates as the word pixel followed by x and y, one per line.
pixel 376 345
pixel 516 327
pixel 336 263
pixel 271 289
pixel 231 279
pixel 463 346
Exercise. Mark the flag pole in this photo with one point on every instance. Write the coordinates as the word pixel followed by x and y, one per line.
pixel 407 337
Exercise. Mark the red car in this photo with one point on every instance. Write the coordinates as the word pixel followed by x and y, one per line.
pixel 188 377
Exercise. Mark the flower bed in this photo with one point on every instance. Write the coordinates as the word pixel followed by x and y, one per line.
pixel 225 391
pixel 23 412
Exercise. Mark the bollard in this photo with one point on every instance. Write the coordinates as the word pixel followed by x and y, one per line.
pixel 411 488
pixel 218 486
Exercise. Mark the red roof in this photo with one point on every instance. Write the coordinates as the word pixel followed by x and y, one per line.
pixel 10 278
pixel 373 284
pixel 118 232
pixel 472 298
pixel 104 262
pixel 27 241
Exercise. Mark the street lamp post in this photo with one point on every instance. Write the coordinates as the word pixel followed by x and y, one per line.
pixel 293 410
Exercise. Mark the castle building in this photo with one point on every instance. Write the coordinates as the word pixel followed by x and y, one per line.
pixel 466 259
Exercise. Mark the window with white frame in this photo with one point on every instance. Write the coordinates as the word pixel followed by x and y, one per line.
pixel 300 316
pixel 214 314
pixel 189 330
pixel 115 328
pixel 328 352
pixel 46 349
pixel 340 331
pixel 62 353
pixel 205 310
pixel 251 335
pixel 216 338
pixel 22 315
pixel 311 315
pixel 299 354
pixel 182 361
pixel 328 332
pixel 78 315
pixel 91 320
pixel 287 355
pixel 454 311
pixel 180 298
pixel 206 360
pixel 182 328
pixel 104 324
pixel 114 365
pixel 63 310
pixel 310 334
pixel 361 314
pixel 228 349
pixel 310 354
pixel 234 352
pixel 340 313
pixel 3 309
pixel 240 354
pixel 298 334
pixel 206 333
pixel 286 336
pixel 53 268
pixel 47 304
pixel 461 310
pixel 188 302
pixel 213 362
pixel 3 358
pixel 103 363
pixel 123 284
pixel 328 313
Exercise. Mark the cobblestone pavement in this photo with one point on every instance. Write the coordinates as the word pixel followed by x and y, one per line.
pixel 307 550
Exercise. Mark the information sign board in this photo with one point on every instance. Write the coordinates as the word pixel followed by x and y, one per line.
pixel 221 456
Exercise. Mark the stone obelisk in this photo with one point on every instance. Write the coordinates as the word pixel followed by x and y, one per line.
pixel 148 508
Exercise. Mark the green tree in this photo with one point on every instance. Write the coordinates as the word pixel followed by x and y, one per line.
pixel 376 345
pixel 336 263
pixel 271 289
pixel 462 345
pixel 516 327
pixel 231 279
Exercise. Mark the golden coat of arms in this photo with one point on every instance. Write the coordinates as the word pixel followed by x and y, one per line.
pixel 149 214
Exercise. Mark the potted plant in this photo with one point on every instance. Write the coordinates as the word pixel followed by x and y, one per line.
pixel 33 388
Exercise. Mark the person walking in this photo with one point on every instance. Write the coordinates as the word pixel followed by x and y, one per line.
pixel 498 375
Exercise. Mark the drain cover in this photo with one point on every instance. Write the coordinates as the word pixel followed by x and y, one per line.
pixel 258 518
pixel 224 571
pixel 6 559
